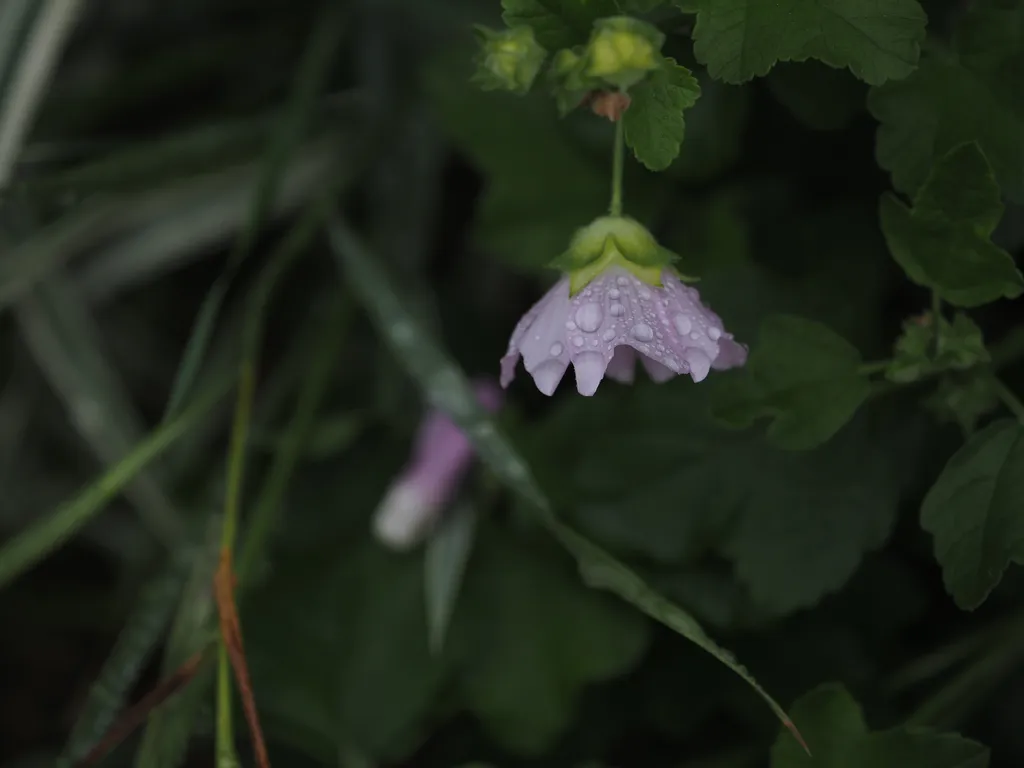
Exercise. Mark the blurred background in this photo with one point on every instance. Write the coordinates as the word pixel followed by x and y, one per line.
pixel 164 216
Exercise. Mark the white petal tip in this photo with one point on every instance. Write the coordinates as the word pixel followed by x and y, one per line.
pixel 548 375
pixel 403 518
pixel 590 367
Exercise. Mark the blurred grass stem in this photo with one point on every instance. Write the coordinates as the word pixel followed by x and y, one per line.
pixel 42 51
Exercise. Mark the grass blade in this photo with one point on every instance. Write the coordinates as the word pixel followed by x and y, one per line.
pixel 444 563
pixel 170 726
pixel 445 387
pixel 140 635
pixel 29 547
pixel 308 85
pixel 62 337
pixel 28 83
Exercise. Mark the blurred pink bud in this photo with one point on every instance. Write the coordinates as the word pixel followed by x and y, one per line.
pixel 427 485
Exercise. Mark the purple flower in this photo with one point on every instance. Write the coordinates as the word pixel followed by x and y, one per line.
pixel 426 486
pixel 619 303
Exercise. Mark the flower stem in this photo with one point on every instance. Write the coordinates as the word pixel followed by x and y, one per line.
pixel 617 160
pixel 1010 400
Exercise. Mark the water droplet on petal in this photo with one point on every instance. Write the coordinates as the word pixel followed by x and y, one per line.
pixel 642 332
pixel 589 317
pixel 556 349
pixel 618 310
pixel 694 335
pixel 714 333
pixel 682 324
pixel 614 293
pixel 608 335
pixel 623 280
pixel 578 341
pixel 644 294
pixel 570 325
pixel 593 342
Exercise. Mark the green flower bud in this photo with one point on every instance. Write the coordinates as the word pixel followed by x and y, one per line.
pixel 508 60
pixel 622 51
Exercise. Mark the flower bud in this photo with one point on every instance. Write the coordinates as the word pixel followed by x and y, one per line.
pixel 623 50
pixel 508 60
pixel 422 491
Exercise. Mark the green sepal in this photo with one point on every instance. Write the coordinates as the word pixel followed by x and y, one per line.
pixel 614 241
pixel 568 81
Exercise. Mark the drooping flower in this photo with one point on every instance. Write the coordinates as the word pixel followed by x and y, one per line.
pixel 619 299
pixel 427 485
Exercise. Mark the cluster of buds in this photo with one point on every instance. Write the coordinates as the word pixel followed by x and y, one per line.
pixel 621 52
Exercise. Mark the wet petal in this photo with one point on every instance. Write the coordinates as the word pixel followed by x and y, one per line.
pixel 659 373
pixel 698 362
pixel 523 327
pixel 622 366
pixel 590 368
pixel 731 354
pixel 547 375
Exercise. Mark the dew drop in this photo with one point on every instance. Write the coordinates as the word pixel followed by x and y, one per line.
pixel 570 325
pixel 608 335
pixel 614 293
pixel 714 333
pixel 589 317
pixel 682 324
pixel 578 341
pixel 556 349
pixel 618 310
pixel 644 294
pixel 694 335
pixel 642 332
pixel 623 280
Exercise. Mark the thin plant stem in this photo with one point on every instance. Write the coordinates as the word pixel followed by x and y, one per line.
pixel 618 158
pixel 1010 400
pixel 225 737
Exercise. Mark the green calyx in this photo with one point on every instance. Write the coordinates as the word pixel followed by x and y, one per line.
pixel 610 241
pixel 509 60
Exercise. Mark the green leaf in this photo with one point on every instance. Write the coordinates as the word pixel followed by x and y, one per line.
pixel 558 23
pixel 31 545
pixel 795 525
pixel 531 635
pixel 350 659
pixel 929 345
pixel 838 737
pixel 654 122
pixel 968 94
pixel 944 241
pixel 973 511
pixel 800 374
pixel 444 566
pixel 447 389
pixel 741 39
